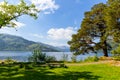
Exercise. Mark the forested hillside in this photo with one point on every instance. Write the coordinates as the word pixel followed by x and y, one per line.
pixel 15 43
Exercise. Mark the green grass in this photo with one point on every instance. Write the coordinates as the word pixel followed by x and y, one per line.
pixel 81 72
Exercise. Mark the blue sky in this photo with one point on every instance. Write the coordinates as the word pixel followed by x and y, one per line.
pixel 57 21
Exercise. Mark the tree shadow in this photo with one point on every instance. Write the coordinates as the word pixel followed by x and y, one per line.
pixel 44 74
pixel 85 75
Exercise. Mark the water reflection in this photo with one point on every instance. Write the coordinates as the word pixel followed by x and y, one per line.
pixel 23 56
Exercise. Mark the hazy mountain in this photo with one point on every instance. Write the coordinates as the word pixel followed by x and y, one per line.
pixel 64 48
pixel 15 43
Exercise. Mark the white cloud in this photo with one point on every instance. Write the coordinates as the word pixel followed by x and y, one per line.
pixel 61 33
pixel 56 44
pixel 48 6
pixel 37 35
pixel 47 12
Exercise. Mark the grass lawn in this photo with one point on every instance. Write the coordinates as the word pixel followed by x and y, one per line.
pixel 75 72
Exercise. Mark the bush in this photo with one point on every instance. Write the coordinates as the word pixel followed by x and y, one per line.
pixel 9 61
pixel 73 58
pixel 65 57
pixel 50 59
pixel 116 53
pixel 39 57
pixel 105 58
pixel 117 58
pixel 80 61
pixel 91 59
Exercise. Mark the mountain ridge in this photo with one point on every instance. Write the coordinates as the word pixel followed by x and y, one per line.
pixel 16 43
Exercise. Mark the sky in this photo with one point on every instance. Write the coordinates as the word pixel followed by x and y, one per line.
pixel 57 20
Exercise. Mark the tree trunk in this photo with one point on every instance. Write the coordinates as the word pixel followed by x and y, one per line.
pixel 105 51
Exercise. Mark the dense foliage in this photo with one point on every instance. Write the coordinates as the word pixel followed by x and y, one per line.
pixel 113 19
pixel 97 27
pixel 9 13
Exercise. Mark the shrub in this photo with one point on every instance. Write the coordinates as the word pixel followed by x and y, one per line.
pixel 91 59
pixel 73 58
pixel 9 61
pixel 50 59
pixel 105 58
pixel 116 53
pixel 65 57
pixel 80 61
pixel 39 57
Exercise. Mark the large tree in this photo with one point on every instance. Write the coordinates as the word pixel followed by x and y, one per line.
pixel 112 18
pixel 92 35
pixel 9 13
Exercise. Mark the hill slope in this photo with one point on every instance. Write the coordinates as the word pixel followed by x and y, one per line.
pixel 15 43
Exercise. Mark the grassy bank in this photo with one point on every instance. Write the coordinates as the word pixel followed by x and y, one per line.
pixel 79 71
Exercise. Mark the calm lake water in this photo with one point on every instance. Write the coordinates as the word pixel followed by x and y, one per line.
pixel 23 56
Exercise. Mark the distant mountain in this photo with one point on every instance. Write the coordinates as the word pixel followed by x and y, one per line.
pixel 64 48
pixel 15 43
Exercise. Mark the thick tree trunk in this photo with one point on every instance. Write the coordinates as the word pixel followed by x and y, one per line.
pixel 105 51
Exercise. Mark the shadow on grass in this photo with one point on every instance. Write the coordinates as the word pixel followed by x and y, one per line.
pixel 39 73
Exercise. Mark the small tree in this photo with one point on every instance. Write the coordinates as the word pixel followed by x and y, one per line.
pixel 37 56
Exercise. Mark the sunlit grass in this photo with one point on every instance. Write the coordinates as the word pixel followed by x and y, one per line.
pixel 82 72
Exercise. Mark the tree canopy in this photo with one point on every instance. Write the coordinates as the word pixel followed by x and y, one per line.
pixel 113 19
pixel 96 28
pixel 9 13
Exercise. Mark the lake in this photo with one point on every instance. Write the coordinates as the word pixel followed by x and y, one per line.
pixel 22 56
